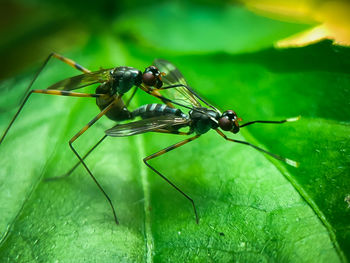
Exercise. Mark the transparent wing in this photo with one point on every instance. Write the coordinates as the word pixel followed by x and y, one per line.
pixel 174 77
pixel 82 80
pixel 147 125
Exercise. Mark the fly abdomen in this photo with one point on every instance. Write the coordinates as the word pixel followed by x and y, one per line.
pixel 154 110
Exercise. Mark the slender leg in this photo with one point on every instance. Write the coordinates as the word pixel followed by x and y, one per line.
pixel 50 92
pixel 93 148
pixel 76 136
pixel 155 93
pixel 77 164
pixel 99 142
pixel 286 160
pixel 172 147
pixel 26 96
pixel 63 59
pixel 69 62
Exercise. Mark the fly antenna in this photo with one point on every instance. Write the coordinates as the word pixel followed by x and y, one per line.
pixel 275 122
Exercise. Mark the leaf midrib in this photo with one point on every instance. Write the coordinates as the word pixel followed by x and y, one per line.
pixel 149 242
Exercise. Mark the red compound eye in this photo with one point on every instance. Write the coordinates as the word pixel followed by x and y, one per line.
pixel 225 123
pixel 149 79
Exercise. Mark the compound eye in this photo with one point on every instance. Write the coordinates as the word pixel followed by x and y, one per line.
pixel 149 79
pixel 225 123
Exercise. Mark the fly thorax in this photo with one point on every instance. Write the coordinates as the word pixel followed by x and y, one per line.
pixel 124 78
pixel 203 120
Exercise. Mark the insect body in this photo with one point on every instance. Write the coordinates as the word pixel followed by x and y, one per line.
pixel 162 80
pixel 199 120
pixel 121 80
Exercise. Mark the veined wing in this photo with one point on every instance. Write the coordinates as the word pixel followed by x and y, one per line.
pixel 173 76
pixel 82 80
pixel 146 125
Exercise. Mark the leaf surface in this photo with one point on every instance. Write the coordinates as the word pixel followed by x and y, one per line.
pixel 251 208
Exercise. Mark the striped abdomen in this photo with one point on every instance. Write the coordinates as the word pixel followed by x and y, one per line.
pixel 154 110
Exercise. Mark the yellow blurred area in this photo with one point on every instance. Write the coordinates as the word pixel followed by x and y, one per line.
pixel 332 18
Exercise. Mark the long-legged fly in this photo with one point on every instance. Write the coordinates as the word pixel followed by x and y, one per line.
pixel 162 76
pixel 200 119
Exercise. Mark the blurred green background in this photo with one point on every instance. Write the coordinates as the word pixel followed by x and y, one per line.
pixel 264 59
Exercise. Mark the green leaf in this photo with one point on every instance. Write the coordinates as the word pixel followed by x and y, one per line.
pixel 189 28
pixel 250 209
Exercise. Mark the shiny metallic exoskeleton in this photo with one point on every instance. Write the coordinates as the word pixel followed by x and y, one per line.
pixel 119 82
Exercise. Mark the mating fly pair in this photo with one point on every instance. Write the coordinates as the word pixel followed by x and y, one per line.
pixel 162 80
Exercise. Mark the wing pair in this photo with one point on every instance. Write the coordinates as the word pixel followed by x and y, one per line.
pixel 167 122
pixel 82 80
pixel 178 91
pixel 182 94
